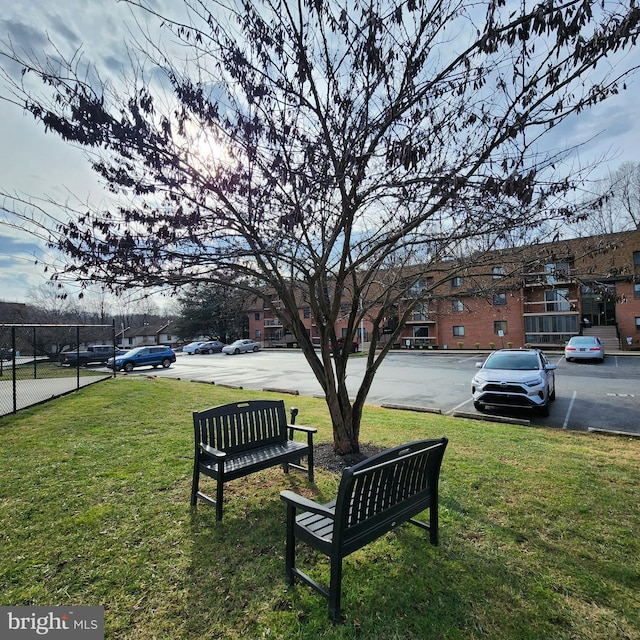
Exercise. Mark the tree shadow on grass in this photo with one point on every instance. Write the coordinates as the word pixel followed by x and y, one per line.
pixel 398 586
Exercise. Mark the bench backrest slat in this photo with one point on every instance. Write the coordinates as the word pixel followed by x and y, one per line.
pixel 239 426
pixel 386 489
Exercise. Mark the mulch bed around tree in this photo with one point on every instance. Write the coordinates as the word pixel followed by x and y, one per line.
pixel 325 457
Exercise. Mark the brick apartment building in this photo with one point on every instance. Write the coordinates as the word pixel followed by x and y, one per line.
pixel 539 295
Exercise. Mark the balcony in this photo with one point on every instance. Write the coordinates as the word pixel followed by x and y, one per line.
pixel 550 274
pixel 272 322
pixel 551 306
pixel 418 318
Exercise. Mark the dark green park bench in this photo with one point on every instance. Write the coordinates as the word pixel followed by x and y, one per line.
pixel 240 438
pixel 374 496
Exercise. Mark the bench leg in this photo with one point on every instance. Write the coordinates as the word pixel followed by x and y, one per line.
pixel 310 460
pixel 195 485
pixel 219 495
pixel 433 522
pixel 335 588
pixel 290 551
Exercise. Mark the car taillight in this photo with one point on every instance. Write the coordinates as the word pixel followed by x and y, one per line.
pixel 594 349
pixel 571 348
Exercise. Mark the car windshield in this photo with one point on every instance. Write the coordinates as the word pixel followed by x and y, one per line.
pixel 515 361
pixel 582 340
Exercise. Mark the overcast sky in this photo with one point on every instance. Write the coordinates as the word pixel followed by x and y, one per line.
pixel 37 163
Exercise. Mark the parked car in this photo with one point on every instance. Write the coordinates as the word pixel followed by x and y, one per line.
pixel 190 348
pixel 94 354
pixel 6 354
pixel 241 346
pixel 213 346
pixel 584 348
pixel 340 346
pixel 520 378
pixel 143 357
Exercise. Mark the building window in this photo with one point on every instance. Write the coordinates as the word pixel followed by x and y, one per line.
pixel 556 271
pixel 499 299
pixel 258 334
pixel 419 288
pixel 458 331
pixel 500 325
pixel 256 316
pixel 497 272
pixel 550 329
pixel 456 282
pixel 637 324
pixel 557 300
pixel 456 305
pixel 636 290
pixel 420 312
pixel 306 312
pixel 636 258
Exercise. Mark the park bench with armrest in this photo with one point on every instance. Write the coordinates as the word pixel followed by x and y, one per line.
pixel 240 438
pixel 374 497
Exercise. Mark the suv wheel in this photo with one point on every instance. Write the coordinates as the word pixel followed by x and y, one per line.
pixel 166 363
pixel 128 367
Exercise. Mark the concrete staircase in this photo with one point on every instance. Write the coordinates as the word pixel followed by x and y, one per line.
pixel 607 334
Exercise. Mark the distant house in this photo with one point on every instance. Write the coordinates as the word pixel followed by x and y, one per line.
pixel 149 334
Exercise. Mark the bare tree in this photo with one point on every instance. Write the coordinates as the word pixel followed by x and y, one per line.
pixel 331 151
pixel 614 205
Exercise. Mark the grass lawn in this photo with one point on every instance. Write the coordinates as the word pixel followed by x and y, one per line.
pixel 539 535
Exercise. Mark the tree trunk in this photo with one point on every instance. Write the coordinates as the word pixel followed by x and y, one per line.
pixel 346 429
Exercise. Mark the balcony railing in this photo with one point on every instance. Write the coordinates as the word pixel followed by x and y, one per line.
pixel 272 322
pixel 544 278
pixel 549 306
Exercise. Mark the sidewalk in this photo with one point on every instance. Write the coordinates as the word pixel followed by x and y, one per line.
pixel 30 392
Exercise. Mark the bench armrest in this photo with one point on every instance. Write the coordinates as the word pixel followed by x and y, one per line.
pixel 302 503
pixel 299 427
pixel 212 452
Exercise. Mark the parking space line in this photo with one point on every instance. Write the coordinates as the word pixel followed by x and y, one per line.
pixel 566 419
pixel 458 406
pixel 472 358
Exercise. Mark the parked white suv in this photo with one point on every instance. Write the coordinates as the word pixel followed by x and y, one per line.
pixel 520 378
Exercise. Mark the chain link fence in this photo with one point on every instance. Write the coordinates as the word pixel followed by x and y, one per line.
pixel 31 369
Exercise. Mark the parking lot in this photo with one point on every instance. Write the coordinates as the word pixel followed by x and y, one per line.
pixel 589 395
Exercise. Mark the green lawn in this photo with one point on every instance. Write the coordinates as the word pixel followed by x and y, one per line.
pixel 539 528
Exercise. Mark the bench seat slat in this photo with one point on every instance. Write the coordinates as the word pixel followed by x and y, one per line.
pixel 252 460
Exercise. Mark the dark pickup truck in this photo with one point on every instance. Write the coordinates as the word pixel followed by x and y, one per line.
pixel 96 354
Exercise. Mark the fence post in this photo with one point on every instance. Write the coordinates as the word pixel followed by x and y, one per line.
pixel 35 359
pixel 77 358
pixel 13 370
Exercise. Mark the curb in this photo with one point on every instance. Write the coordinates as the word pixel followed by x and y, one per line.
pixel 475 416
pixel 402 407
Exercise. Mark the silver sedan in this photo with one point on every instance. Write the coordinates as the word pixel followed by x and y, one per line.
pixel 241 346
pixel 584 348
